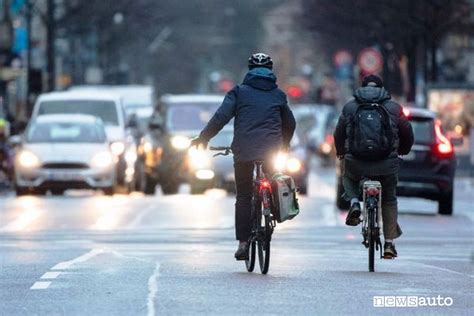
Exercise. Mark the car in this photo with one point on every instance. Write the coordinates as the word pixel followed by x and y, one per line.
pixel 428 170
pixel 327 148
pixel 177 119
pixel 207 171
pixel 109 108
pixel 64 151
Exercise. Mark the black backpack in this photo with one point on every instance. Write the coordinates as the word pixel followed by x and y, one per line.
pixel 371 136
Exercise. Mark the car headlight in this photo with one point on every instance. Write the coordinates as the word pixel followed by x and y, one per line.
pixel 117 148
pixel 130 156
pixel 147 146
pixel 180 142
pixel 293 165
pixel 27 159
pixel 279 163
pixel 198 159
pixel 102 160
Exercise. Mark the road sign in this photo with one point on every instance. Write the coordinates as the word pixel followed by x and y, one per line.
pixel 342 57
pixel 370 60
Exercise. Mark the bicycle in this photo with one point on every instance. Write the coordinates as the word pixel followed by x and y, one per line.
pixel 371 224
pixel 263 222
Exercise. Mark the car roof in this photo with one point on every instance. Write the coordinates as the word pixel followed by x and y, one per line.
pixel 194 98
pixel 88 94
pixel 68 118
pixel 420 112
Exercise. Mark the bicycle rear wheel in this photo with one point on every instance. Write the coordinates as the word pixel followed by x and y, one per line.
pixel 250 262
pixel 264 245
pixel 371 240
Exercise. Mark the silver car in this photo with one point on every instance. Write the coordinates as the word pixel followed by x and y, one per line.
pixel 64 151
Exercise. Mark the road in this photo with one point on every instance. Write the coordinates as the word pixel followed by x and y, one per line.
pixel 86 254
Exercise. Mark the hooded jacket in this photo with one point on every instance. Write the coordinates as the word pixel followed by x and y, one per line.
pixel 402 132
pixel 263 121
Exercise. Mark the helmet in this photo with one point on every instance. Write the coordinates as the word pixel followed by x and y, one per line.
pixel 260 60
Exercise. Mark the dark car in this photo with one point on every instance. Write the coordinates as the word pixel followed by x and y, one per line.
pixel 183 117
pixel 428 170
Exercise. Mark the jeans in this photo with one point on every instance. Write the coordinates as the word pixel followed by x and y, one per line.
pixel 391 229
pixel 243 204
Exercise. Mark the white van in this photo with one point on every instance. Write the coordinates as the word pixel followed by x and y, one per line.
pixel 109 108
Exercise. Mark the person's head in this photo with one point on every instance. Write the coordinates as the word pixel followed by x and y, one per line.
pixel 372 81
pixel 260 60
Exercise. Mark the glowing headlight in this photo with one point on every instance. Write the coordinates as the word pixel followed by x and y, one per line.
pixel 326 148
pixel 198 159
pixel 205 174
pixel 293 165
pixel 28 160
pixel 102 160
pixel 279 163
pixel 180 142
pixel 147 147
pixel 117 148
pixel 130 156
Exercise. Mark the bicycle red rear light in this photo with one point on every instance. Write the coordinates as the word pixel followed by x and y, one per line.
pixel 266 184
pixel 443 147
pixel 406 112
pixel 372 191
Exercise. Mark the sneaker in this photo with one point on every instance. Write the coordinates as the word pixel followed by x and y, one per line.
pixel 389 251
pixel 353 217
pixel 242 252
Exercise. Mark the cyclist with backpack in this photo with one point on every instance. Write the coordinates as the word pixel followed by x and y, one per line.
pixel 370 134
pixel 264 124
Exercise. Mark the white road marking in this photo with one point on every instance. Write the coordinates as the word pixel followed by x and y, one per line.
pixel 445 270
pixel 40 285
pixel 152 290
pixel 87 256
pixel 50 275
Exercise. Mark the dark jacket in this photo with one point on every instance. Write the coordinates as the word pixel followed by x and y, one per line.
pixel 402 131
pixel 263 121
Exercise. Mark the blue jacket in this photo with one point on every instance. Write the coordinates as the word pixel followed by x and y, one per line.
pixel 263 121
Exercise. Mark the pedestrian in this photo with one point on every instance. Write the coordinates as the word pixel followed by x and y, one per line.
pixel 370 134
pixel 263 125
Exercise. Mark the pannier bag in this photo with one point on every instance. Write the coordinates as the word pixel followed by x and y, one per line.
pixel 285 200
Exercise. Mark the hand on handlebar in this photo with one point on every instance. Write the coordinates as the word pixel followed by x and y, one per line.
pixel 198 141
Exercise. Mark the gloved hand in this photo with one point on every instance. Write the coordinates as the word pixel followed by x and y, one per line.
pixel 196 141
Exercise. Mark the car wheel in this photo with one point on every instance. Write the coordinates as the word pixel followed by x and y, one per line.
pixel 170 187
pixel 20 191
pixel 150 185
pixel 57 191
pixel 109 191
pixel 341 203
pixel 197 188
pixel 445 204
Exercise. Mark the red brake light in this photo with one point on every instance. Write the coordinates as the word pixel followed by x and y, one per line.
pixel 444 147
pixel 266 184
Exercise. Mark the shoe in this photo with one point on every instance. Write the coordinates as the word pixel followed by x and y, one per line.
pixel 389 251
pixel 353 217
pixel 242 252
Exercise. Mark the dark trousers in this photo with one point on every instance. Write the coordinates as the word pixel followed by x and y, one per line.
pixel 243 204
pixel 391 229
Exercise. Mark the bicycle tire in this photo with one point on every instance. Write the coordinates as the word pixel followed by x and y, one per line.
pixel 264 247
pixel 371 240
pixel 250 262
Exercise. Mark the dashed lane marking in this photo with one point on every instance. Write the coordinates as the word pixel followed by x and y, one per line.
pixel 50 275
pixel 40 285
pixel 152 290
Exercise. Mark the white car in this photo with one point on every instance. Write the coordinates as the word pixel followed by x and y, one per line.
pixel 106 106
pixel 60 152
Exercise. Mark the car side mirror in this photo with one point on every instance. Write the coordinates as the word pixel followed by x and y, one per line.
pixel 15 140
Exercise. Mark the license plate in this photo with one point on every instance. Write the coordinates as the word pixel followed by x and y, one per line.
pixel 411 156
pixel 63 176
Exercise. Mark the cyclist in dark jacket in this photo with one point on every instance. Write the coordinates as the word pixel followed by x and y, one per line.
pixel 263 125
pixel 386 170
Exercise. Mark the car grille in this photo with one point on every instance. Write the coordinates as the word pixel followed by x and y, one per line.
pixel 65 165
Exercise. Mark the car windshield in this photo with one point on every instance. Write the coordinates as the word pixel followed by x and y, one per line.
pixel 422 130
pixel 191 116
pixel 106 110
pixel 65 133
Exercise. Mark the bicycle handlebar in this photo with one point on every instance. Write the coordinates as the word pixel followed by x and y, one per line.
pixel 219 148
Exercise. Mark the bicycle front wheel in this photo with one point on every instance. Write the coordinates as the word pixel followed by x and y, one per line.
pixel 264 245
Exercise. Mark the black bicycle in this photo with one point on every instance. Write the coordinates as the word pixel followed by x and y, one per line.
pixel 372 198
pixel 263 222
